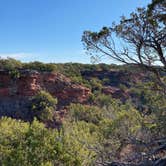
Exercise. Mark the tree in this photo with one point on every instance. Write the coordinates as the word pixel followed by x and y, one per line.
pixel 139 40
pixel 158 9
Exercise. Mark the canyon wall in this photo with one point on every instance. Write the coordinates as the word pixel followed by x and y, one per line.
pixel 15 92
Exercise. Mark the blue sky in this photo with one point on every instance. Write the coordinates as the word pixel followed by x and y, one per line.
pixel 51 30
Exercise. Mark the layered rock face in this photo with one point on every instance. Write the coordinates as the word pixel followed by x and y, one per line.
pixel 114 80
pixel 14 92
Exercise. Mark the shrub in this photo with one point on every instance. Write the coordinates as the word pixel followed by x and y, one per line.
pixel 91 114
pixel 43 106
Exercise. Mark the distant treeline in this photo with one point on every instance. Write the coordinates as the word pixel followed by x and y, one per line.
pixel 13 64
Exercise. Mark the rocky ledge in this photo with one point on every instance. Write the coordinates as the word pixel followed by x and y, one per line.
pixel 28 83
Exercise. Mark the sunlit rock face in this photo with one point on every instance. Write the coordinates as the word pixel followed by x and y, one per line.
pixel 16 92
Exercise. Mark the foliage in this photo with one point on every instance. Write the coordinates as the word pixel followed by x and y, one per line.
pixel 138 40
pixel 81 140
pixel 151 102
pixel 39 66
pixel 157 9
pixel 10 64
pixel 89 114
pixel 25 144
pixel 34 145
pixel 43 106
pixel 105 101
pixel 117 132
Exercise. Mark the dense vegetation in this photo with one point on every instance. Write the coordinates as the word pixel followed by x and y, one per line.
pixel 92 134
pixel 89 135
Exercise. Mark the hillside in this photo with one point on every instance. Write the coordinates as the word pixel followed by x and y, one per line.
pixel 95 112
pixel 69 83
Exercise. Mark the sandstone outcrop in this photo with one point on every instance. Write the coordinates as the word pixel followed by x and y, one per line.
pixel 30 82
pixel 16 92
pixel 116 92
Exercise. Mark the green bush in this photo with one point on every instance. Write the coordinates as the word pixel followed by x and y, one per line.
pixel 29 145
pixel 90 114
pixel 43 106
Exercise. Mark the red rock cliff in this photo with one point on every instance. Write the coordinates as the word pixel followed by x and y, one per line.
pixel 30 82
